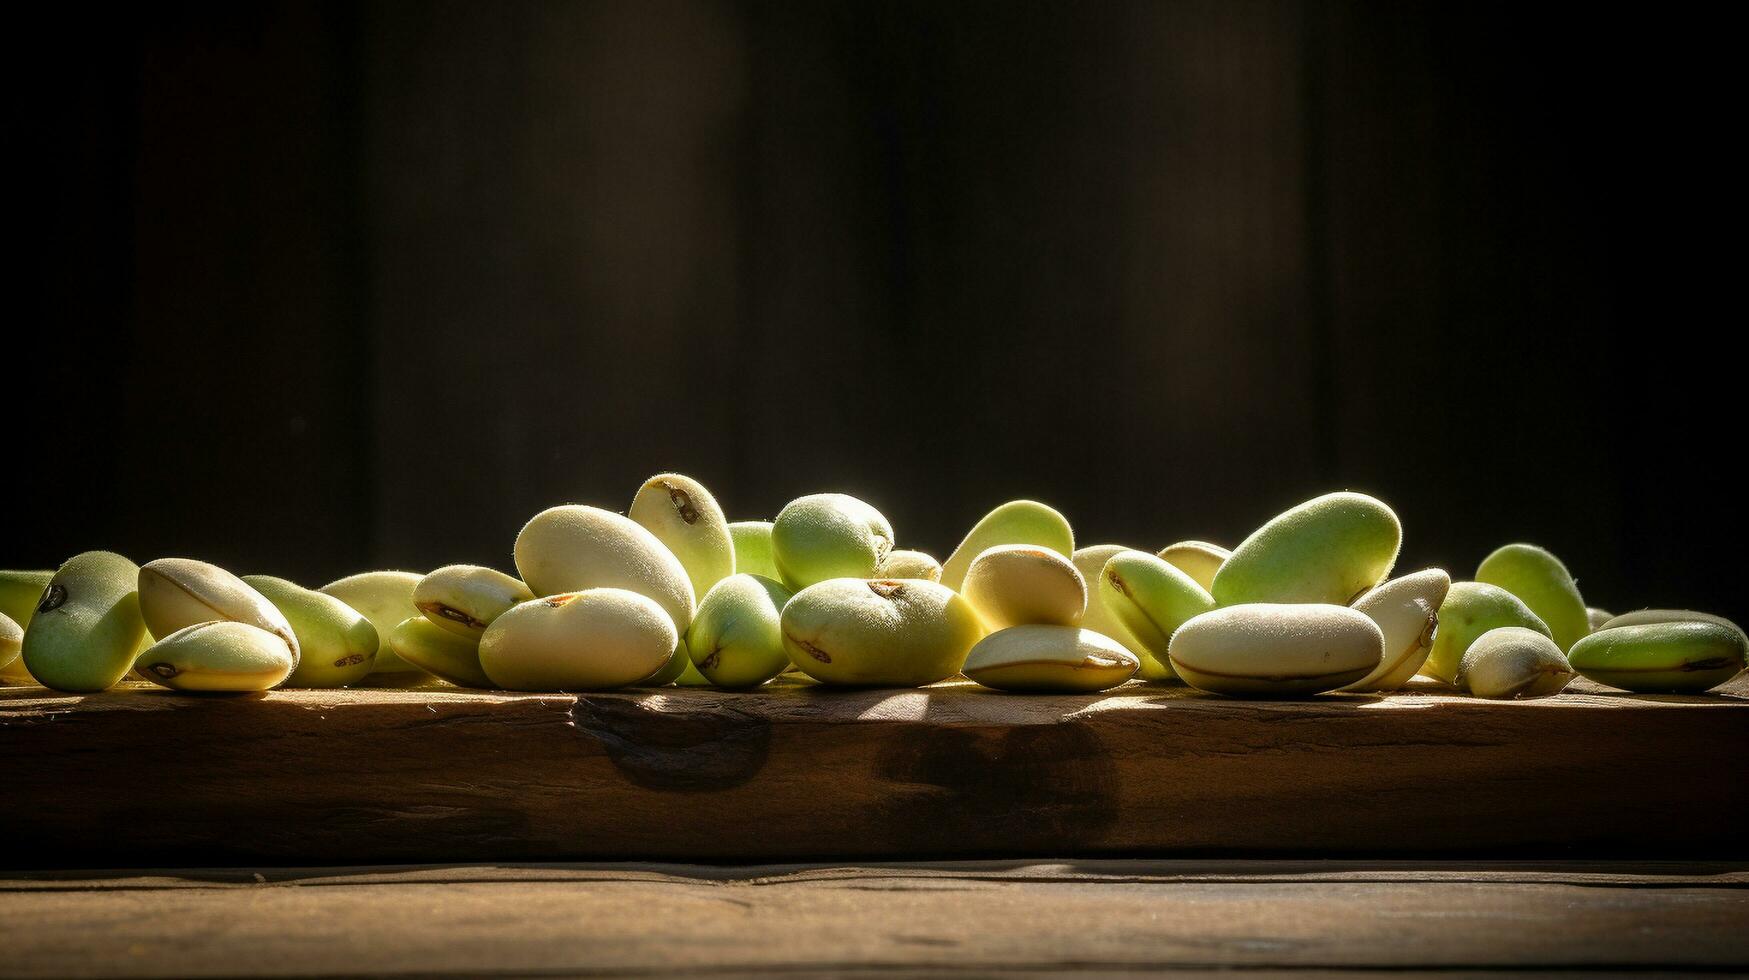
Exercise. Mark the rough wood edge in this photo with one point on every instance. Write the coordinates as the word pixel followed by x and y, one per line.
pixel 1598 873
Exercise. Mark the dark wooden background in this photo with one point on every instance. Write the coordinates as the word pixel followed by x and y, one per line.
pixel 307 288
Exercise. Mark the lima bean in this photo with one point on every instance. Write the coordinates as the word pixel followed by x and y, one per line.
pixel 176 593
pixel 1406 610
pixel 828 535
pixel 1197 559
pixel 1098 617
pixel 1152 599
pixel 464 599
pixel 385 598
pixel 337 645
pixel 1276 649
pixel 1330 549
pixel 1513 662
pixel 1015 522
pixel 885 632
pixel 736 640
pixel 753 548
pixel 572 548
pixel 1469 610
pixel 87 626
pixel 19 593
pixel 1019 584
pixel 596 639
pixel 11 640
pixel 15 673
pixel 677 668
pixel 1049 658
pixel 684 516
pixel 218 656
pixel 900 563
pixel 439 651
pixel 1682 657
pixel 1642 617
pixel 689 672
pixel 1541 582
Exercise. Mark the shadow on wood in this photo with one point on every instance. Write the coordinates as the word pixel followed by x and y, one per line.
pixel 137 777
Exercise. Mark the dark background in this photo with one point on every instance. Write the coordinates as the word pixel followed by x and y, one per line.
pixel 311 288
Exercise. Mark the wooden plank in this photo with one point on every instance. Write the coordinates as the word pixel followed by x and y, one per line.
pixel 1600 873
pixel 142 776
pixel 977 917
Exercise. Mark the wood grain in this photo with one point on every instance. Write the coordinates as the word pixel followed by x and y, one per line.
pixel 1069 916
pixel 140 777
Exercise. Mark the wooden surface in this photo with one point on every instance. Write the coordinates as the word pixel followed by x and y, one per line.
pixel 144 777
pixel 1070 916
